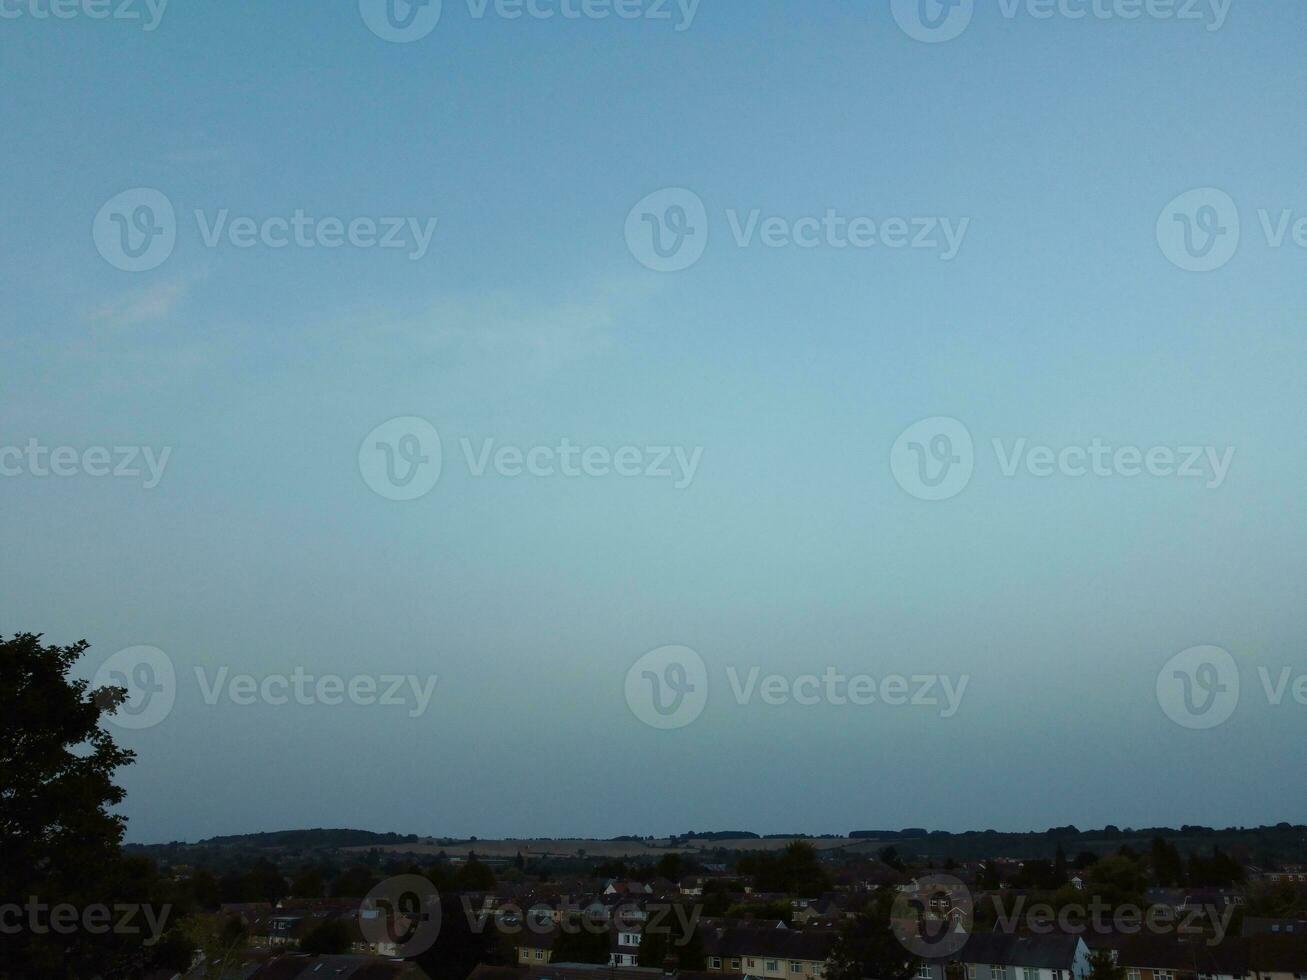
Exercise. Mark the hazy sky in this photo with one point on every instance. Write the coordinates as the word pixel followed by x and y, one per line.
pixel 794 541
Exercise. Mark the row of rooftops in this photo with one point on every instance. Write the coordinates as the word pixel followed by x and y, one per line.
pixel 1234 956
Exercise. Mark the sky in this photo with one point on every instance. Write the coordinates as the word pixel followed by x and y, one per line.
pixel 939 371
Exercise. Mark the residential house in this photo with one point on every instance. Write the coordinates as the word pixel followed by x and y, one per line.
pixel 1004 956
pixel 1281 956
pixel 1254 925
pixel 535 947
pixel 769 952
pixel 1176 957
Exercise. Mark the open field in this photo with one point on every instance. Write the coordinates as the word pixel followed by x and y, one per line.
pixel 571 847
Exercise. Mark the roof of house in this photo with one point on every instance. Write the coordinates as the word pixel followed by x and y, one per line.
pixel 536 938
pixel 300 967
pixel 1254 925
pixel 1277 953
pixel 783 944
pixel 1054 952
pixel 1192 955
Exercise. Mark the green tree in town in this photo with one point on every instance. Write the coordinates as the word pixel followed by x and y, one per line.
pixel 676 935
pixel 473 876
pixel 576 944
pixel 308 883
pixel 867 947
pixel 1168 866
pixel 1102 966
pixel 329 937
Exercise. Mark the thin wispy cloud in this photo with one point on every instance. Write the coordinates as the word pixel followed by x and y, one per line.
pixel 151 304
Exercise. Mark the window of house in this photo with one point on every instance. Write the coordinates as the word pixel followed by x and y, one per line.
pixel 1163 975
pixel 796 966
pixel 971 971
pixel 735 964
pixel 1131 975
pixel 773 966
pixel 998 972
pixel 1029 973
pixel 540 954
pixel 924 971
pixel 715 962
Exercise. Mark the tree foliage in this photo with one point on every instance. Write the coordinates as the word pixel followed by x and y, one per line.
pixel 59 842
pixel 867 946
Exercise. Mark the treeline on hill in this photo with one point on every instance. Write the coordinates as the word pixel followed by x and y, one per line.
pixel 1283 843
pixel 316 837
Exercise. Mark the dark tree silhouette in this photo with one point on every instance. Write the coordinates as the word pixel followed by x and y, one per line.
pixel 59 844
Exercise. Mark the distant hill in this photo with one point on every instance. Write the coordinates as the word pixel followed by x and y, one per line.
pixel 316 837
pixel 1283 842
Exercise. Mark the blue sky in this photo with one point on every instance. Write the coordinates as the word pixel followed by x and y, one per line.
pixel 530 320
